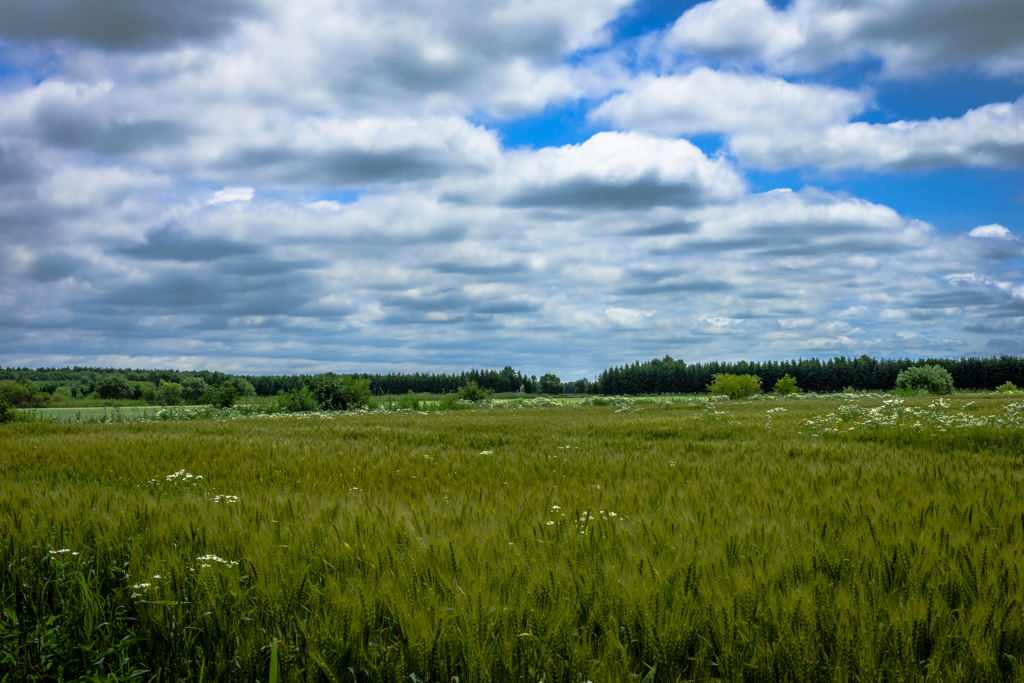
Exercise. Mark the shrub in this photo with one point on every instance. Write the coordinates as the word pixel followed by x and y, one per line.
pixel 934 379
pixel 114 386
pixel 169 393
pixel 409 402
pixel 244 388
pixel 7 413
pixel 223 396
pixel 473 392
pixel 1007 388
pixel 327 392
pixel 144 390
pixel 298 400
pixel 61 395
pixel 550 384
pixel 786 385
pixel 453 402
pixel 193 388
pixel 22 393
pixel 339 392
pixel 735 386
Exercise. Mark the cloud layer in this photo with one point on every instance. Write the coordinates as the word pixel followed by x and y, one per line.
pixel 910 36
pixel 324 185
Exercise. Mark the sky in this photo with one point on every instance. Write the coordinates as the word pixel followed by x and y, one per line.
pixel 557 185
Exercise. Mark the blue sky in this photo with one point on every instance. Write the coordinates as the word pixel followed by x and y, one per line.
pixel 407 185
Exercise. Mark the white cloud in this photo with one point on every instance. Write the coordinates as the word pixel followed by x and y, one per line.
pixel 911 36
pixel 714 101
pixel 610 170
pixel 995 231
pixel 231 194
pixel 627 317
pixel 394 231
pixel 990 136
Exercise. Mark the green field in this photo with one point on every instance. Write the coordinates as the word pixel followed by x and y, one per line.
pixel 843 539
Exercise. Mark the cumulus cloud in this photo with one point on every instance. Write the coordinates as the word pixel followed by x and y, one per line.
pixel 322 185
pixel 910 36
pixel 990 136
pixel 714 101
pixel 993 230
pixel 427 278
pixel 610 170
pixel 231 194
pixel 771 123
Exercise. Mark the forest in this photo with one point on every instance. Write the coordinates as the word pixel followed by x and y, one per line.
pixel 657 376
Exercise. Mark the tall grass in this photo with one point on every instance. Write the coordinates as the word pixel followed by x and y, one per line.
pixel 648 542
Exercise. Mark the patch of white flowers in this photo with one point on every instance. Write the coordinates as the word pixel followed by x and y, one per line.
pixel 62 551
pixel 225 499
pixel 210 560
pixel 935 417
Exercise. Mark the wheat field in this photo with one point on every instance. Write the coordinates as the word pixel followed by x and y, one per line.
pixel 842 539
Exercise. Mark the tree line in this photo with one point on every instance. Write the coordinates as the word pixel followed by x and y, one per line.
pixel 657 376
pixel 82 381
pixel 669 376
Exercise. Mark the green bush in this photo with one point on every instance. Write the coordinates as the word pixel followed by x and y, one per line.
pixel 144 390
pixel 409 402
pixel 223 396
pixel 114 386
pixel 453 402
pixel 786 385
pixel 327 392
pixel 7 413
pixel 934 379
pixel 1007 388
pixel 60 395
pixel 244 388
pixel 193 388
pixel 735 386
pixel 169 393
pixel 339 392
pixel 22 393
pixel 550 384
pixel 298 400
pixel 473 392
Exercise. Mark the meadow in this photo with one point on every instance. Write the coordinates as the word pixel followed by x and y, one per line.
pixel 844 538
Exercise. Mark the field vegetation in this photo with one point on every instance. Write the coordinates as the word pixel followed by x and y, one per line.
pixel 797 538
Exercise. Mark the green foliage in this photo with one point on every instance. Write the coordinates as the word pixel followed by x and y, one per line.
pixel 550 384
pixel 934 379
pixel 169 393
pixel 61 395
pixel 7 412
pixel 223 396
pixel 472 392
pixel 114 386
pixel 22 394
pixel 409 402
pixel 339 392
pixel 298 400
pixel 193 388
pixel 244 388
pixel 735 386
pixel 786 385
pixel 144 390
pixel 453 402
pixel 327 392
pixel 324 518
pixel 1008 388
